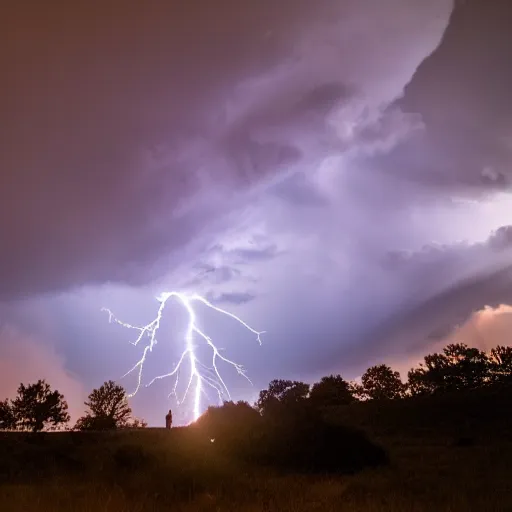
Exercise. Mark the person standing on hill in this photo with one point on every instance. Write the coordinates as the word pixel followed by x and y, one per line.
pixel 168 420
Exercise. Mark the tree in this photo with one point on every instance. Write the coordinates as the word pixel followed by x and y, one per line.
pixel 458 367
pixel 419 382
pixel 282 393
pixel 90 422
pixel 37 407
pixel 469 366
pixel 231 421
pixel 331 390
pixel 382 383
pixel 108 409
pixel 500 364
pixel 137 423
pixel 7 419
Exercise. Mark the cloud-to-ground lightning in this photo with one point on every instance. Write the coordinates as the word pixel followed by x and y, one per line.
pixel 201 376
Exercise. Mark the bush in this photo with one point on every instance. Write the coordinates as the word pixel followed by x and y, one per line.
pixel 97 423
pixel 308 443
pixel 293 438
pixel 230 426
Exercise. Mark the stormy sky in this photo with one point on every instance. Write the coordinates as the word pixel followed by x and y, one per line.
pixel 337 172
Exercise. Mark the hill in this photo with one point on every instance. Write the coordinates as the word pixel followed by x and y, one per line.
pixel 447 452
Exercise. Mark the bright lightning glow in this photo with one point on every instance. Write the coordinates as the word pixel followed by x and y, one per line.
pixel 201 376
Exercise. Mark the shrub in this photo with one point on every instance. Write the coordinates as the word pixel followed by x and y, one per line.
pixel 293 438
pixel 308 443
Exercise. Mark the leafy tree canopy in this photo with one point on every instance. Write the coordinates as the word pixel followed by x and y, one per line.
pixel 282 393
pixel 37 407
pixel 331 390
pixel 380 382
pixel 457 367
pixel 500 364
pixel 7 419
pixel 108 408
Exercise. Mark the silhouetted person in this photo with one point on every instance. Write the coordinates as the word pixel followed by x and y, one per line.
pixel 168 419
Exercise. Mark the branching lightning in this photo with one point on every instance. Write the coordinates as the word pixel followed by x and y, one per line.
pixel 201 377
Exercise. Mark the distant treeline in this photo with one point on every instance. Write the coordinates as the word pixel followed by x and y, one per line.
pixel 458 367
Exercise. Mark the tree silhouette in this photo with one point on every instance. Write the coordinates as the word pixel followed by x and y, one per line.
pixel 380 382
pixel 138 423
pixel 37 407
pixel 108 408
pixel 230 423
pixel 331 390
pixel 458 367
pixel 7 419
pixel 500 364
pixel 420 382
pixel 229 413
pixel 469 365
pixel 282 393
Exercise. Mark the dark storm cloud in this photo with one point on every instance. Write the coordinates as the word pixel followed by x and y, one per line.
pixel 502 238
pixel 114 115
pixel 387 307
pixel 215 275
pixel 248 255
pixel 254 159
pixel 498 242
pixel 297 190
pixel 437 317
pixel 129 128
pixel 232 298
pixel 459 146
pixel 450 284
pixel 324 97
pixel 462 94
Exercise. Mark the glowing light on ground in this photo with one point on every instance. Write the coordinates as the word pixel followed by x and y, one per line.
pixel 200 376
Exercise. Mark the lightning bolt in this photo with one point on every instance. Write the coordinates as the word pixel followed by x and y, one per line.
pixel 201 377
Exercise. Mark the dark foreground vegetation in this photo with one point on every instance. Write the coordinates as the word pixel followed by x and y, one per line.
pixel 440 441
pixel 447 452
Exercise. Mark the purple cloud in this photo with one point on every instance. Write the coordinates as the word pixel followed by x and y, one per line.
pixel 338 172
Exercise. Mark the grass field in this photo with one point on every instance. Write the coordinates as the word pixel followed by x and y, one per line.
pixel 447 454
